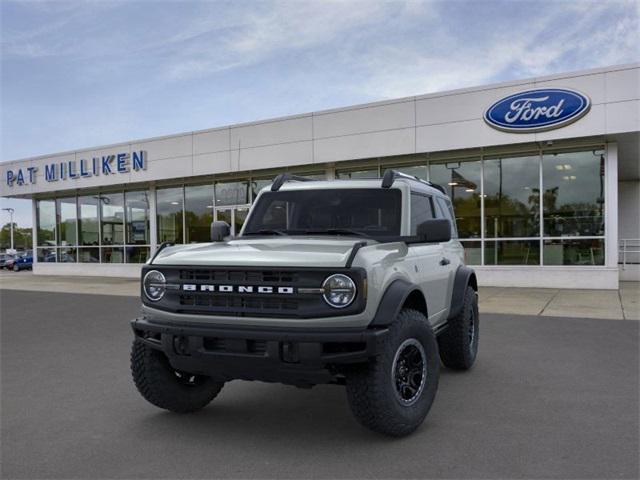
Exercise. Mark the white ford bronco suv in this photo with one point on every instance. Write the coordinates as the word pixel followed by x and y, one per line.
pixel 359 283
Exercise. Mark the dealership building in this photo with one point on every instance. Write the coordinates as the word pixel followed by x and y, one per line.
pixel 544 175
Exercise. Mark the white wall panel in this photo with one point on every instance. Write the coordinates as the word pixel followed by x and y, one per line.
pixel 469 134
pixel 167 168
pixel 379 144
pixel 271 133
pixel 592 85
pixel 548 277
pixel 623 85
pixel 286 154
pixel 623 116
pixel 178 146
pixel 593 123
pixel 461 107
pixel 211 141
pixel 210 163
pixel 361 120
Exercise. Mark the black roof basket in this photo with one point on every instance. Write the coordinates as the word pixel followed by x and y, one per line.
pixel 286 177
pixel 390 176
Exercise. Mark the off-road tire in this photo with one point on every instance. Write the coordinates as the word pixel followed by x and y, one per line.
pixel 458 346
pixel 162 386
pixel 371 389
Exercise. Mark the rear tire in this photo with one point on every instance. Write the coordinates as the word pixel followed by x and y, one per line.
pixel 459 342
pixel 393 393
pixel 16 268
pixel 163 386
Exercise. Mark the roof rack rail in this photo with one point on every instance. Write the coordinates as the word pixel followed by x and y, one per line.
pixel 286 177
pixel 391 175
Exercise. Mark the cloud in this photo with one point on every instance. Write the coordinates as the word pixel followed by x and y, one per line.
pixel 557 39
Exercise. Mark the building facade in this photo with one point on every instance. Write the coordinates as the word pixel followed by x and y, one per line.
pixel 544 175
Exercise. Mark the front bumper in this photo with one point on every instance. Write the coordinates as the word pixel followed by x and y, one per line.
pixel 285 355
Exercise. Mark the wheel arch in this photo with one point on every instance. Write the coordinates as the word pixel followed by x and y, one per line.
pixel 398 295
pixel 465 277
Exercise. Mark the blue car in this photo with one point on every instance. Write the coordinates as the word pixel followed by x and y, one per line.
pixel 23 262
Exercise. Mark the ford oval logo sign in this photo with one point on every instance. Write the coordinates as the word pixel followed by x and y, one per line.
pixel 537 110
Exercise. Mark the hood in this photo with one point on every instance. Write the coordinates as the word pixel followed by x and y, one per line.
pixel 258 252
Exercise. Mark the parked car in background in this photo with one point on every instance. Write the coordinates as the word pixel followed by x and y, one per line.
pixel 23 261
pixel 4 258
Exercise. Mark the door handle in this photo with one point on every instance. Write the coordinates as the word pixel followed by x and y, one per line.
pixel 445 261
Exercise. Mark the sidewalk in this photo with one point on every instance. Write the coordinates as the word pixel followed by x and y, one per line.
pixel 623 304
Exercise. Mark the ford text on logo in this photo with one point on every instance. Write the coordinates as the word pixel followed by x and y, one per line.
pixel 191 287
pixel 537 110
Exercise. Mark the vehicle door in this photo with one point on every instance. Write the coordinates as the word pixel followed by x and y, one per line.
pixel 427 257
pixel 453 252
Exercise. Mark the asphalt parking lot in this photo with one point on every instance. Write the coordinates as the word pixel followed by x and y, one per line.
pixel 548 398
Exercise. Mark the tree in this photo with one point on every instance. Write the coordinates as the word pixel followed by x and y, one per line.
pixel 22 237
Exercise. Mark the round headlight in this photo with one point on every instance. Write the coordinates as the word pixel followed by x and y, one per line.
pixel 154 285
pixel 339 290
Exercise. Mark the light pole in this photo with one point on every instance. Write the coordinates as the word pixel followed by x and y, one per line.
pixel 10 210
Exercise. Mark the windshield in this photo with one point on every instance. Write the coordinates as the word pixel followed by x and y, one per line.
pixel 364 212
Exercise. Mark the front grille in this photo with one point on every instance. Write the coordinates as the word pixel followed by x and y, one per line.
pixel 287 303
pixel 246 304
pixel 241 276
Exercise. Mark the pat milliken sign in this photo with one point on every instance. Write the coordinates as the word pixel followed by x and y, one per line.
pixel 105 165
pixel 537 110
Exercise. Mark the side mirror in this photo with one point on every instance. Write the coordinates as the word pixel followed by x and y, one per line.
pixel 219 230
pixel 434 231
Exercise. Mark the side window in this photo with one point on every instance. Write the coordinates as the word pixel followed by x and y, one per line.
pixel 446 210
pixel 421 210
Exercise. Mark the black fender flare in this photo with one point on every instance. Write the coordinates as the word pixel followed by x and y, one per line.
pixel 392 301
pixel 465 276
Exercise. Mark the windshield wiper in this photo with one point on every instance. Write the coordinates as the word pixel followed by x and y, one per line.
pixel 266 232
pixel 337 231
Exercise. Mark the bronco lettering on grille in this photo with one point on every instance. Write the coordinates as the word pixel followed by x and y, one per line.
pixel 192 287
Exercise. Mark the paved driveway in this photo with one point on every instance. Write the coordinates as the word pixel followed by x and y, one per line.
pixel 548 398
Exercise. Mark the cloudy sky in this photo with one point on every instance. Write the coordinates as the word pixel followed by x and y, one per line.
pixel 80 74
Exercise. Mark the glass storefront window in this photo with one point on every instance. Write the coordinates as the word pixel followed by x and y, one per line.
pixel 512 197
pixel 364 173
pixel 112 254
pixel 137 254
pixel 112 218
pixel 258 184
pixel 137 218
pixel 462 182
pixel 239 217
pixel 512 252
pixel 67 221
pixel 46 218
pixel 574 251
pixel 232 193
pixel 89 255
pixel 66 255
pixel 198 212
pixel 169 207
pixel 573 198
pixel 472 252
pixel 88 220
pixel 47 255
